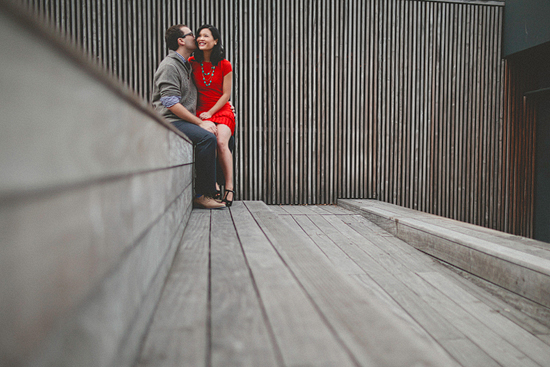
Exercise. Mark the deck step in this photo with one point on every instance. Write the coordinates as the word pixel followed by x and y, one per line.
pixel 517 264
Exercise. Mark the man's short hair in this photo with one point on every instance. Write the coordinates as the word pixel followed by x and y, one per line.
pixel 172 35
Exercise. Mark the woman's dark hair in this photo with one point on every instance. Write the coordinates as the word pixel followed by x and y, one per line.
pixel 218 53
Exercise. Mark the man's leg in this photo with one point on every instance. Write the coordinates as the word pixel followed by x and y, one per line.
pixel 205 156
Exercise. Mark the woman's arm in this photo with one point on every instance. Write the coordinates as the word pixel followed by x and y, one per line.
pixel 227 81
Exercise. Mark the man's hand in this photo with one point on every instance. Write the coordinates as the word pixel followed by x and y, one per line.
pixel 184 114
pixel 233 109
pixel 209 126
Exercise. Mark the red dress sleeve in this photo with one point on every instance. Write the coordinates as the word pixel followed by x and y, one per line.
pixel 226 67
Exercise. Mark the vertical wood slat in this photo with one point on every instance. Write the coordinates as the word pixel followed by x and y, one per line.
pixel 405 101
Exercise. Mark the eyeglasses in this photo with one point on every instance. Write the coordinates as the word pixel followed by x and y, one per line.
pixel 187 34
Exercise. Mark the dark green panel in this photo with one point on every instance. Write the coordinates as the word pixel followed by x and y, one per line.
pixel 526 25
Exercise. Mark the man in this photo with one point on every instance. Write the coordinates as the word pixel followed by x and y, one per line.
pixel 175 97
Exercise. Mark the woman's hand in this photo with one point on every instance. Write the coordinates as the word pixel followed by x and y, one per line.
pixel 205 115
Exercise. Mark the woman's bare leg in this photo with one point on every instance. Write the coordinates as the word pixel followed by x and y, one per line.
pixel 225 157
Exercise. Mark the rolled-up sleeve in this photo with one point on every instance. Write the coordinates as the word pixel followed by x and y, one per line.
pixel 169 86
pixel 169 101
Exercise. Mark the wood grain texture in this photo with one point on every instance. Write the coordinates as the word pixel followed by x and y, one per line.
pixel 239 331
pixel 61 247
pixel 333 289
pixel 302 336
pixel 278 209
pixel 520 268
pixel 517 336
pixel 95 188
pixel 319 209
pixel 391 273
pixel 294 209
pixel 497 347
pixel 532 316
pixel 178 335
pixel 513 326
pixel 79 129
pixel 335 255
pixel 95 332
pixel 368 257
pixel 367 329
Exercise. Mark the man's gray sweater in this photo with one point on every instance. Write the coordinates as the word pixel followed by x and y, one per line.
pixel 174 78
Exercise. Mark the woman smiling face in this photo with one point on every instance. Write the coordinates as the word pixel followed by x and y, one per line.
pixel 205 40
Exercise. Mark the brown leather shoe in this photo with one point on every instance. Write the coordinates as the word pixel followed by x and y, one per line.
pixel 206 202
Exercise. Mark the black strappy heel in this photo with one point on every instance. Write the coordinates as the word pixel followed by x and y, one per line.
pixel 228 203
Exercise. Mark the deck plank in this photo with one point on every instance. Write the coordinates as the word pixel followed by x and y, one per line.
pixel 512 333
pixel 278 209
pixel 311 286
pixel 295 209
pixel 407 305
pixel 183 304
pixel 239 331
pixel 521 269
pixel 371 332
pixel 497 305
pixel 490 341
pixel 506 303
pixel 335 209
pixel 319 209
pixel 335 255
pixel 365 227
pixel 303 338
pixel 419 309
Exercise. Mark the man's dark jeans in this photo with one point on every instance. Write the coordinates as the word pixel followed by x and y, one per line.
pixel 205 156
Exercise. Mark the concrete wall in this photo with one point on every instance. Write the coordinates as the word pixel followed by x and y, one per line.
pixel 95 192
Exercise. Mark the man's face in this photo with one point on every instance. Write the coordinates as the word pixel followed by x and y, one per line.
pixel 189 39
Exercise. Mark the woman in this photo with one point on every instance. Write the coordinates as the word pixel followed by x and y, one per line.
pixel 213 76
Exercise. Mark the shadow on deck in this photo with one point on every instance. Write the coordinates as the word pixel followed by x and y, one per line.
pixel 262 285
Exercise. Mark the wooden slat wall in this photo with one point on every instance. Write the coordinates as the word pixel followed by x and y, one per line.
pixel 401 100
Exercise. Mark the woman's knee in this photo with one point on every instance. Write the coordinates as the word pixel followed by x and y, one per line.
pixel 223 144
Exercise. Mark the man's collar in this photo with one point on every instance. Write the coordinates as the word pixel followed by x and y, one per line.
pixel 172 52
pixel 181 57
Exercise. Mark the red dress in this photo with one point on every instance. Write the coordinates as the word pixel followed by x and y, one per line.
pixel 210 88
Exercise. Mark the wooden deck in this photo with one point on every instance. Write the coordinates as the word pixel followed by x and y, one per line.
pixel 262 285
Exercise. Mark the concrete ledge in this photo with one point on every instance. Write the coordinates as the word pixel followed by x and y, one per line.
pixel 518 264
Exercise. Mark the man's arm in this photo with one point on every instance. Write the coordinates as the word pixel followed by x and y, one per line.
pixel 167 80
pixel 183 113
